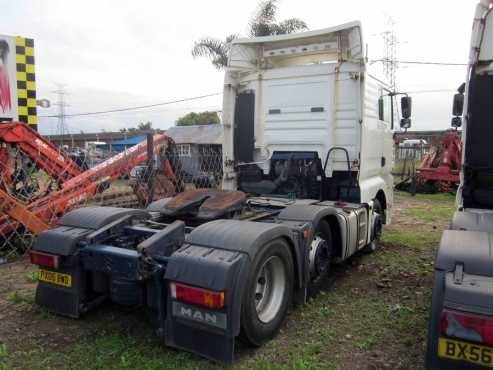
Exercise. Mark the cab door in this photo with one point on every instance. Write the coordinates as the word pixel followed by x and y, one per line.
pixel 386 118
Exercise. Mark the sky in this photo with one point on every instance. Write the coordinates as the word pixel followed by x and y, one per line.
pixel 110 54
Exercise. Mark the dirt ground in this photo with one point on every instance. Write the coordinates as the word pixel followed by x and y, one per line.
pixel 372 314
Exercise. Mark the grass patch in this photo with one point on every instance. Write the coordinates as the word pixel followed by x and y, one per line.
pixel 358 323
pixel 428 208
pixel 428 198
pixel 32 277
pixel 108 352
pixel 3 356
pixel 18 298
pixel 431 214
pixel 412 238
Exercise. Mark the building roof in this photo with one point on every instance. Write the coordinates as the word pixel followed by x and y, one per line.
pixel 129 141
pixel 90 136
pixel 198 134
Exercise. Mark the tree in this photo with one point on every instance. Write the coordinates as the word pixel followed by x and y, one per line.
pixel 263 23
pixel 141 127
pixel 214 49
pixel 202 118
pixel 145 126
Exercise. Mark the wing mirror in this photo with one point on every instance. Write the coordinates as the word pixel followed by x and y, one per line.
pixel 406 104
pixel 458 107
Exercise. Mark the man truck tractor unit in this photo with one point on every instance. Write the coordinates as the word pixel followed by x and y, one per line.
pixel 460 332
pixel 307 182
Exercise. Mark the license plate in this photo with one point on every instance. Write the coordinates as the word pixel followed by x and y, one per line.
pixel 464 351
pixel 56 278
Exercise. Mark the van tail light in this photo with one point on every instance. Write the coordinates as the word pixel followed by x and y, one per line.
pixel 198 296
pixel 467 326
pixel 44 259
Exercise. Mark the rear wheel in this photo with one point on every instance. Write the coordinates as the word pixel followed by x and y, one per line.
pixel 320 257
pixel 268 293
pixel 377 228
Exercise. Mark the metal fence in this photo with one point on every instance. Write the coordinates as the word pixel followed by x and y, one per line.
pixel 33 198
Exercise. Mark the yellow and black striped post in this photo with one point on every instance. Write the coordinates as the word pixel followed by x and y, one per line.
pixel 26 81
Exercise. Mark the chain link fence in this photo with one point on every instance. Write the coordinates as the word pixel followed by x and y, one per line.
pixel 33 198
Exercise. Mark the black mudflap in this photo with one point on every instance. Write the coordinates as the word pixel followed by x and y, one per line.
pixel 216 346
pixel 209 333
pixel 59 299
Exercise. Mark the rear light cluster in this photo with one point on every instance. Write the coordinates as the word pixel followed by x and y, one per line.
pixel 44 259
pixel 467 326
pixel 198 296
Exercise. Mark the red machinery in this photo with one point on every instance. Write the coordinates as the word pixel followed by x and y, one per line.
pixel 440 168
pixel 44 154
pixel 75 188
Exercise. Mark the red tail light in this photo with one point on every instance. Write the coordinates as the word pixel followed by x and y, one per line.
pixel 44 259
pixel 199 296
pixel 467 326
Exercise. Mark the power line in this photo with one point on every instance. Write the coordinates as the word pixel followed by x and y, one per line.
pixel 431 63
pixel 420 62
pixel 134 108
pixel 168 110
pixel 430 91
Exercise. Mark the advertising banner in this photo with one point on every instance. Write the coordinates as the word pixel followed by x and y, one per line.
pixel 17 80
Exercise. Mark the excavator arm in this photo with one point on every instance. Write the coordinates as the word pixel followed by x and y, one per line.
pixel 46 155
pixel 44 212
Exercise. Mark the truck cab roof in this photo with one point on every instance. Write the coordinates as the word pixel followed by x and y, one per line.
pixel 342 42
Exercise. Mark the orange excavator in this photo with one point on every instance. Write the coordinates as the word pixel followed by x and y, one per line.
pixel 74 186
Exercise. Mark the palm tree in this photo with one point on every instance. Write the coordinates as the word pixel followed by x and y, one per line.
pixel 214 49
pixel 263 23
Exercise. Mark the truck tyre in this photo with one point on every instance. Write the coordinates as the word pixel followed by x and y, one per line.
pixel 320 259
pixel 377 228
pixel 268 293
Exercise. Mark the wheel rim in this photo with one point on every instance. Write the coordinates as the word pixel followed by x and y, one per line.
pixel 319 256
pixel 270 288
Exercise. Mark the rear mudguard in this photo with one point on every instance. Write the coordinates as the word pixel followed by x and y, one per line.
pixel 312 214
pixel 64 240
pixel 96 217
pixel 462 281
pixel 218 257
